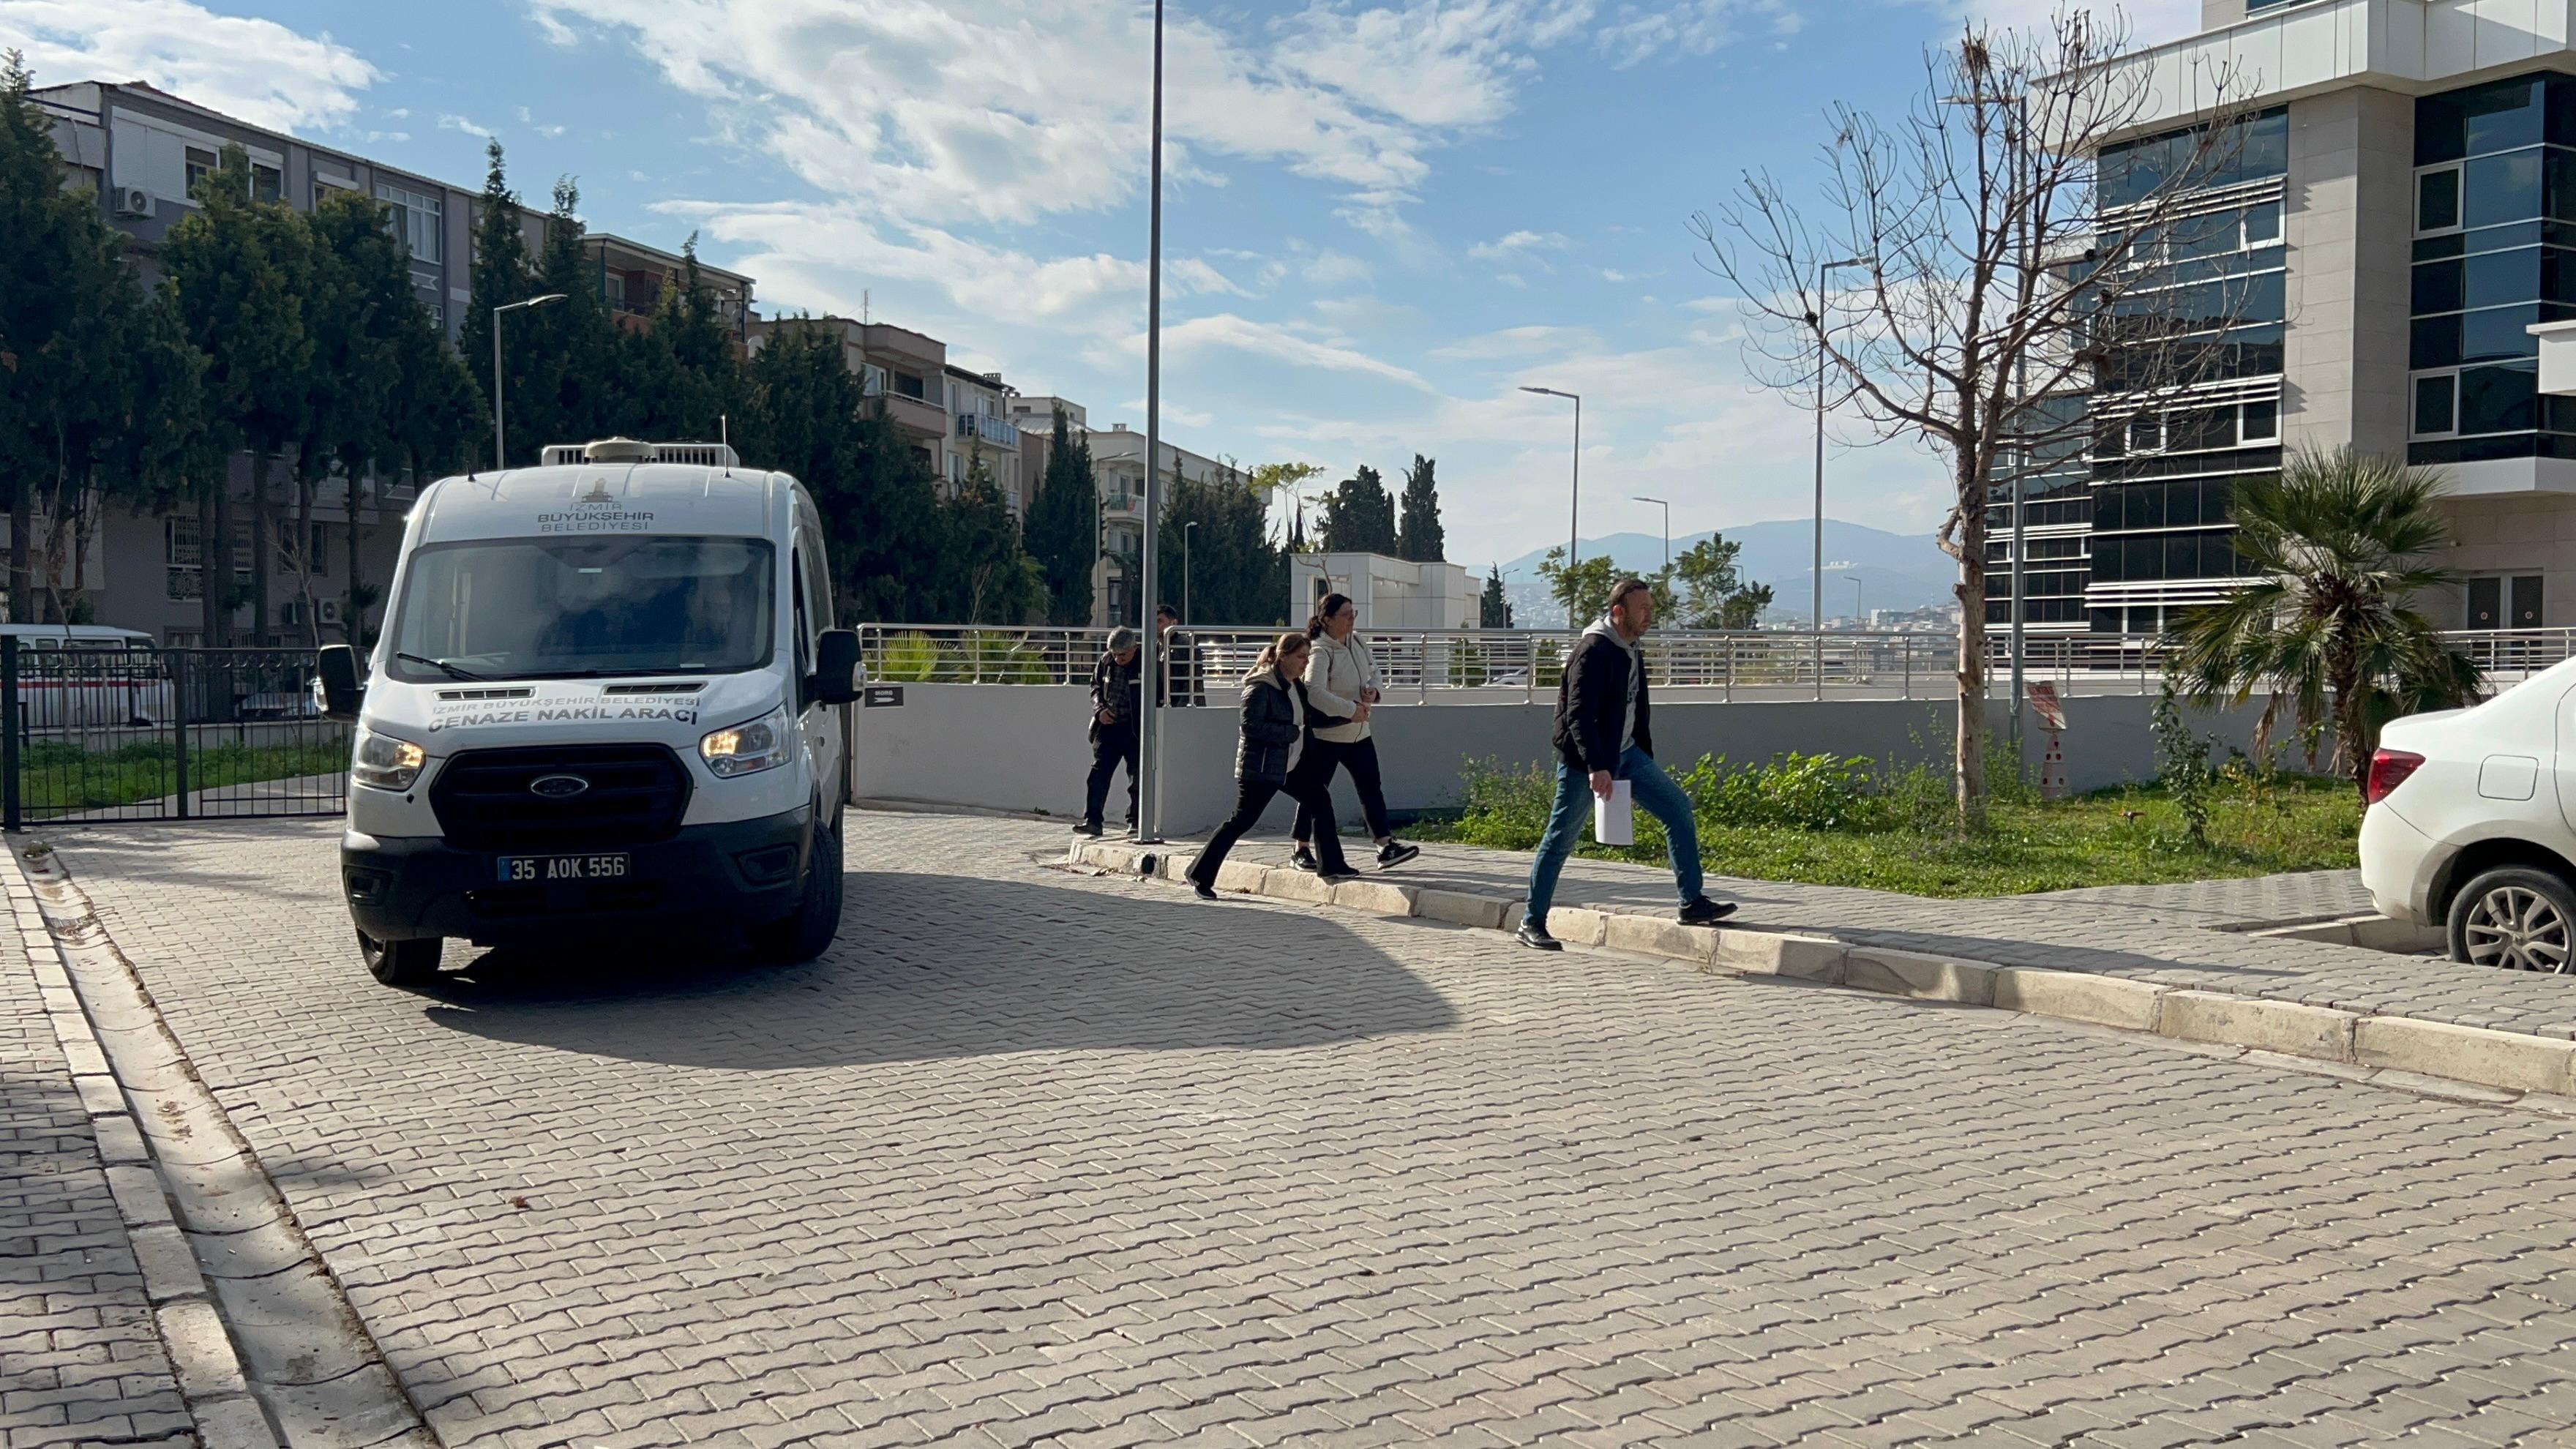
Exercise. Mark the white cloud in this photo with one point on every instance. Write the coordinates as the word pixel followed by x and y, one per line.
pixel 256 70
pixel 1262 339
pixel 1696 27
pixel 1517 245
pixel 468 126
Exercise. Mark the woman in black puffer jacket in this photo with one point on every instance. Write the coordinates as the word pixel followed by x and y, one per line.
pixel 1278 728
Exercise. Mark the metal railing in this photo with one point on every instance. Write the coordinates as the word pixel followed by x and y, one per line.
pixel 991 430
pixel 1464 666
pixel 164 734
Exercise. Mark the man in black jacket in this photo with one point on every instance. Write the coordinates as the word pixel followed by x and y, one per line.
pixel 1116 701
pixel 1602 736
pixel 1180 656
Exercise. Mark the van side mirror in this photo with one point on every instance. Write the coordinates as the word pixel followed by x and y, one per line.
pixel 836 666
pixel 340 692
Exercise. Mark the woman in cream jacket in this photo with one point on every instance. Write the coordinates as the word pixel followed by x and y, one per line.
pixel 1340 678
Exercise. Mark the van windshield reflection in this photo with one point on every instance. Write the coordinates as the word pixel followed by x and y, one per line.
pixel 571 608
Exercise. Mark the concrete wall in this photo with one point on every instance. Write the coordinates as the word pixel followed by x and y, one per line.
pixel 2347 222
pixel 1022 747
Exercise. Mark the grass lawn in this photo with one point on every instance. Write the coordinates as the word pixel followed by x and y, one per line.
pixel 1886 834
pixel 58 779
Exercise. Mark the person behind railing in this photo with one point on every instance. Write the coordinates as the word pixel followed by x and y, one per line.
pixel 1181 687
pixel 1341 677
pixel 1116 701
pixel 1276 753
pixel 1602 736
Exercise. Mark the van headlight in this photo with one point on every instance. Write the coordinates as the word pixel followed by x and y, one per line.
pixel 747 749
pixel 385 762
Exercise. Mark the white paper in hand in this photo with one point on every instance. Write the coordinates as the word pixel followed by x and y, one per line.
pixel 1614 818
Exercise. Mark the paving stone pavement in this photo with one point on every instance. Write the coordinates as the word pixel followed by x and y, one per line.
pixel 1036 1156
pixel 2167 934
pixel 80 1362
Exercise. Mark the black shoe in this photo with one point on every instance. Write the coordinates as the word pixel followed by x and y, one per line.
pixel 1535 936
pixel 1395 853
pixel 1705 912
pixel 1203 890
pixel 1302 858
pixel 1087 827
pixel 1336 877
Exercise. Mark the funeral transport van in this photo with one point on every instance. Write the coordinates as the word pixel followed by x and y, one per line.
pixel 606 701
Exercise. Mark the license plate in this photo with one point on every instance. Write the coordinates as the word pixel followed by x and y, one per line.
pixel 538 869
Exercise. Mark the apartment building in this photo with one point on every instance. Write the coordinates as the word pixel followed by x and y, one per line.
pixel 1118 465
pixel 2396 216
pixel 633 275
pixel 981 433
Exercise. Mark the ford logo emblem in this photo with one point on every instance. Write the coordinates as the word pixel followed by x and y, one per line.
pixel 558 787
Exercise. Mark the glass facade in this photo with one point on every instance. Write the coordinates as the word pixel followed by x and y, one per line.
pixel 2495 251
pixel 2204 326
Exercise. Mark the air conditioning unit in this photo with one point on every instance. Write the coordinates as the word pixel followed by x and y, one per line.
pixel 135 201
pixel 330 610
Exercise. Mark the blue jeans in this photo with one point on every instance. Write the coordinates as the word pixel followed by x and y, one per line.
pixel 1654 792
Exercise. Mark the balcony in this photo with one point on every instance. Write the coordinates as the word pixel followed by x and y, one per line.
pixel 992 430
pixel 1127 507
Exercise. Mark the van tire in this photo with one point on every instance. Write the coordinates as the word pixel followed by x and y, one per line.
pixel 808 933
pixel 401 963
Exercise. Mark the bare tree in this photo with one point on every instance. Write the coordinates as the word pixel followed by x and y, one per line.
pixel 2001 279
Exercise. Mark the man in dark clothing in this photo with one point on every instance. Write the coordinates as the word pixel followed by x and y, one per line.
pixel 1116 701
pixel 1181 687
pixel 1603 735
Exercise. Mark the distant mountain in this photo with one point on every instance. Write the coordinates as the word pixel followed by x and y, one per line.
pixel 1896 570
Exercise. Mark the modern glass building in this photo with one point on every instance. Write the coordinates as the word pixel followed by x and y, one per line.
pixel 2401 208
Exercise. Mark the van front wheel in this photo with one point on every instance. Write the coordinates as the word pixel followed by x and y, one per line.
pixel 401 963
pixel 806 934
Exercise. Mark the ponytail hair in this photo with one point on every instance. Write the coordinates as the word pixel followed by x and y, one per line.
pixel 1274 651
pixel 1331 605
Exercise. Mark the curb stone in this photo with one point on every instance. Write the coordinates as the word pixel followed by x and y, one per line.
pixel 2408 1053
pixel 237 1293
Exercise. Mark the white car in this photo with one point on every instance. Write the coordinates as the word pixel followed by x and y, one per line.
pixel 2469 826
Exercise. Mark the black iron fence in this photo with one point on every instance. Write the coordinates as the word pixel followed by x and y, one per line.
pixel 114 733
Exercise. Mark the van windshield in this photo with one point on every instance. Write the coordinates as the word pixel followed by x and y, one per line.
pixel 560 608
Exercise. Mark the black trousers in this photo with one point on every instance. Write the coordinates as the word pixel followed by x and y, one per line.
pixel 1360 758
pixel 1306 786
pixel 1111 746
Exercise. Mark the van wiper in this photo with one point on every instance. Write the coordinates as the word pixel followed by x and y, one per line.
pixel 452 671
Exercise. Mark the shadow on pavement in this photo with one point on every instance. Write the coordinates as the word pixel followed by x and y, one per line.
pixel 930 967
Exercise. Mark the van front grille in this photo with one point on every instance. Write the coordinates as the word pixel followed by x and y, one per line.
pixel 629 795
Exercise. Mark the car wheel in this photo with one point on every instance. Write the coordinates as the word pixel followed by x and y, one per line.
pixel 401 963
pixel 806 934
pixel 2517 918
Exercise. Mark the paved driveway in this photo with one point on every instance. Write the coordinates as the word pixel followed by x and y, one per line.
pixel 1038 1156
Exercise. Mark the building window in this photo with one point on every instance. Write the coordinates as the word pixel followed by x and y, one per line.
pixel 318 549
pixel 182 558
pixel 267 183
pixel 2437 200
pixel 415 216
pixel 200 164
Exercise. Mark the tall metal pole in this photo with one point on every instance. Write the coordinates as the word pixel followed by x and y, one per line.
pixel 1574 516
pixel 500 447
pixel 1186 530
pixel 1668 526
pixel 1149 792
pixel 1816 572
pixel 2020 548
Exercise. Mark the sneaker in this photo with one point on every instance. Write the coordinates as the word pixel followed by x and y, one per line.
pixel 1087 827
pixel 1535 936
pixel 1336 877
pixel 1302 858
pixel 1395 853
pixel 1202 890
pixel 1705 912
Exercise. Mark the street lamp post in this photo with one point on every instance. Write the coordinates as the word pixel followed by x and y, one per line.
pixel 1668 527
pixel 1860 616
pixel 1186 530
pixel 1149 793
pixel 1816 577
pixel 1574 505
pixel 500 445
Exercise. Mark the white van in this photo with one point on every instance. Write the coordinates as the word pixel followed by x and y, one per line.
pixel 606 700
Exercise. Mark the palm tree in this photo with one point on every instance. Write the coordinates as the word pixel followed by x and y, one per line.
pixel 2340 545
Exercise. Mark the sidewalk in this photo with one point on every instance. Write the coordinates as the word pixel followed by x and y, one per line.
pixel 80 1361
pixel 2188 938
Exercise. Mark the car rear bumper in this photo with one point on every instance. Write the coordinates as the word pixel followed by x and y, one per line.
pixel 730 876
pixel 2398 866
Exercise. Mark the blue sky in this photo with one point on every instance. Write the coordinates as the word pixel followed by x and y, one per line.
pixel 1380 218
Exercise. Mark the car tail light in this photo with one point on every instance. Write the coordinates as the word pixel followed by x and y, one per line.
pixel 2388 770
